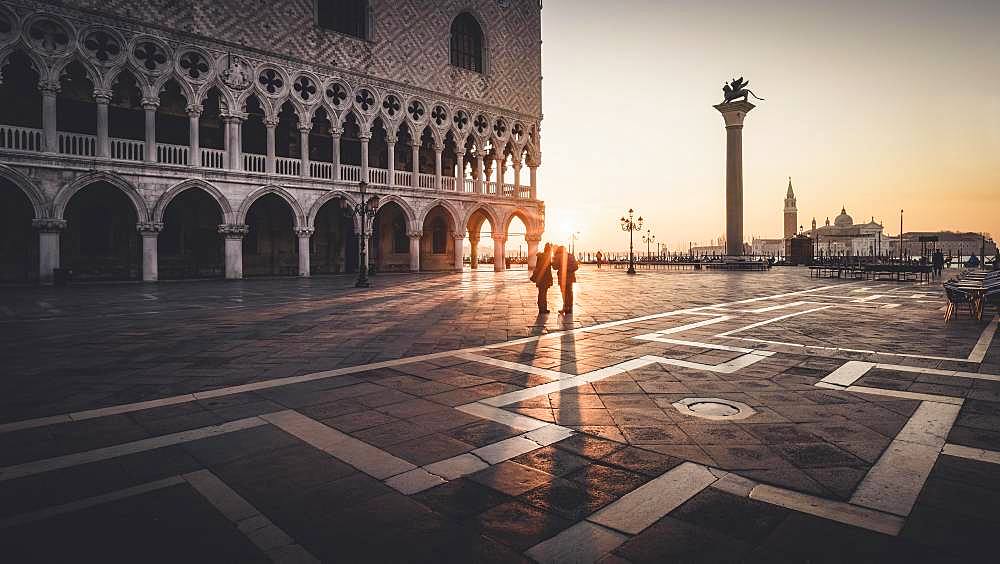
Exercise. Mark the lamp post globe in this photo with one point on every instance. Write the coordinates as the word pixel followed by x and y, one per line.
pixel 631 225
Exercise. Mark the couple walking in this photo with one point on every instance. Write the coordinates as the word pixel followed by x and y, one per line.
pixel 565 266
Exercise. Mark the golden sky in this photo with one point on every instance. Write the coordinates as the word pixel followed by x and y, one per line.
pixel 876 105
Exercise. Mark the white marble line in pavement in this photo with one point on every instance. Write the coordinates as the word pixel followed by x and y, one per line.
pixel 773 320
pixel 980 454
pixel 894 482
pixel 75 459
pixel 849 373
pixel 658 339
pixel 277 382
pixel 526 368
pixel 85 503
pixel 841 512
pixel 979 350
pixel 254 525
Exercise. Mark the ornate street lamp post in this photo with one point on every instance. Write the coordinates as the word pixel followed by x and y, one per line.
pixel 648 238
pixel 364 209
pixel 631 225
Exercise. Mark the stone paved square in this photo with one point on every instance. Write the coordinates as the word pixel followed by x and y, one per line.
pixel 307 418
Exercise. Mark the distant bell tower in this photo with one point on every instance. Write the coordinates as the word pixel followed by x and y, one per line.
pixel 791 212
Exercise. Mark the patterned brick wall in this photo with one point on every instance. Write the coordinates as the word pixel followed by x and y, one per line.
pixel 410 40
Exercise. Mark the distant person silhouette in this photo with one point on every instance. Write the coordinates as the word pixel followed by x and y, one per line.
pixel 600 259
pixel 566 267
pixel 973 262
pixel 937 261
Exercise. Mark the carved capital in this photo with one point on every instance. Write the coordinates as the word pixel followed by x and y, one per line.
pixel 533 237
pixel 102 96
pixel 148 228
pixel 459 235
pixel 391 138
pixel 414 234
pixel 336 132
pixel 194 110
pixel 364 137
pixel 304 231
pixel 49 87
pixel 305 127
pixel 499 237
pixel 270 123
pixel 460 154
pixel 49 225
pixel 150 103
pixel 234 117
pixel 234 230
pixel 438 147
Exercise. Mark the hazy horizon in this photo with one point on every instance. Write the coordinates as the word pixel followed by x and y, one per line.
pixel 875 106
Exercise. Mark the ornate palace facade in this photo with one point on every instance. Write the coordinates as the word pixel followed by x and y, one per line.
pixel 166 139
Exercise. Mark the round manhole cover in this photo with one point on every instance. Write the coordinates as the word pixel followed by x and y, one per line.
pixel 713 408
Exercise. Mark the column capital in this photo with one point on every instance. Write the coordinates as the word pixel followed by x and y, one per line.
pixel 458 235
pixel 414 234
pixel 460 153
pixel 102 95
pixel 49 225
pixel 499 237
pixel 234 117
pixel 533 237
pixel 270 123
pixel 364 137
pixel 234 230
pixel 149 228
pixel 304 232
pixel 392 138
pixel 194 110
pixel 438 146
pixel 150 103
pixel 51 87
pixel 336 131
pixel 733 113
pixel 305 127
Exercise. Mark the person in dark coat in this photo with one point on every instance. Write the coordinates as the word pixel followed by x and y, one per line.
pixel 542 277
pixel 566 266
pixel 938 263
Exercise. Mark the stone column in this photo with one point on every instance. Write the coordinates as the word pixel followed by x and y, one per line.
pixel 415 237
pixel 533 179
pixel 194 137
pixel 102 98
pixel 150 233
pixel 364 156
pixel 499 249
pixel 234 146
pixel 733 114
pixel 149 105
pixel 49 231
pixel 501 165
pixel 234 233
pixel 438 149
pixel 304 129
pixel 532 240
pixel 477 173
pixel 270 158
pixel 49 91
pixel 460 171
pixel 474 252
pixel 390 143
pixel 415 151
pixel 304 233
pixel 335 133
pixel 516 164
pixel 459 258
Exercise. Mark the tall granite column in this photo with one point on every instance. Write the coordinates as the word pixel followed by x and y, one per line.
pixel 733 113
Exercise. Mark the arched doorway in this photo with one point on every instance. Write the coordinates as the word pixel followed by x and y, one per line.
pixel 330 242
pixel 391 252
pixel 101 242
pixel 270 248
pixel 18 241
pixel 437 244
pixel 516 245
pixel 22 107
pixel 190 245
pixel 480 242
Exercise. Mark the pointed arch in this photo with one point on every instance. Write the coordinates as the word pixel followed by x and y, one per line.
pixel 491 215
pixel 68 191
pixel 297 214
pixel 189 184
pixel 453 212
pixel 29 188
pixel 185 88
pixel 411 216
pixel 55 74
pixel 527 218
pixel 326 198
pixel 37 63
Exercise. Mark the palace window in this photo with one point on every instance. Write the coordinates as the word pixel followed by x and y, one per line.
pixel 467 43
pixel 349 17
